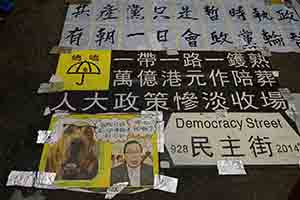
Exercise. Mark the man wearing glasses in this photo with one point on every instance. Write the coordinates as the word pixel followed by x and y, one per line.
pixel 133 170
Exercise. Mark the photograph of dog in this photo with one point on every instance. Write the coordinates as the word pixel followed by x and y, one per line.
pixel 74 156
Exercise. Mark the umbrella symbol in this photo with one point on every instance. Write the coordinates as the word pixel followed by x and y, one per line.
pixel 83 68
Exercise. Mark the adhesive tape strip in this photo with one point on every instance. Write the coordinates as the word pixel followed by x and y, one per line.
pixel 47 111
pixel 165 183
pixel 171 52
pixel 44 136
pixel 160 126
pixel 164 164
pixel 31 179
pixel 60 50
pixel 231 167
pixel 157 114
pixel 115 189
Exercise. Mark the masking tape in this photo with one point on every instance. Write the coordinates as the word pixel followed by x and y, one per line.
pixel 51 87
pixel 164 164
pixel 115 189
pixel 30 179
pixel 165 183
pixel 60 50
pixel 172 52
pixel 160 126
pixel 231 167
pixel 44 136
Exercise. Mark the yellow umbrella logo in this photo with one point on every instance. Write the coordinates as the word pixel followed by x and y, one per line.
pixel 83 68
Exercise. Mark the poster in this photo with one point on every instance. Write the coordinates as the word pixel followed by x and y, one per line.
pixel 96 151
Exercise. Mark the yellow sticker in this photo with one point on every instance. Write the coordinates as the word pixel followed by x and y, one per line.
pixel 85 70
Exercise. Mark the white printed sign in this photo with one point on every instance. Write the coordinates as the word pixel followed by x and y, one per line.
pixel 254 138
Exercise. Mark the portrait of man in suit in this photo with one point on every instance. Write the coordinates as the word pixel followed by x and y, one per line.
pixel 133 170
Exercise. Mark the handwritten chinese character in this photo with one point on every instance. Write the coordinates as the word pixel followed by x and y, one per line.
pixel 220 38
pixel 159 12
pixel 186 13
pixel 296 38
pixel 80 10
pixel 247 37
pixel 263 15
pixel 272 39
pixel 212 12
pixel 239 13
pixel 135 34
pixel 109 11
pixel 190 37
pixel 134 11
pixel 162 35
pixel 105 36
pixel 75 36
pixel 286 15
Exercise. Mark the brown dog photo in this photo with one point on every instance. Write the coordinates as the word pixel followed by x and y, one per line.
pixel 74 155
